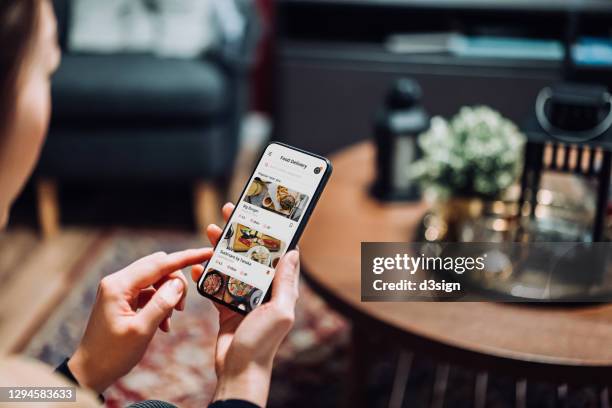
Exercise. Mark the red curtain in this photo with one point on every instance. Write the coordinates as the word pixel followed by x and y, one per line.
pixel 262 75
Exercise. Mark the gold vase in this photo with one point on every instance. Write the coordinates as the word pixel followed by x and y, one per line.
pixel 449 216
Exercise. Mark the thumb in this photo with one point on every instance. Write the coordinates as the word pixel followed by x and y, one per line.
pixel 286 280
pixel 162 302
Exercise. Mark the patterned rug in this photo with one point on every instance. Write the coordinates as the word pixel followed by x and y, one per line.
pixel 178 367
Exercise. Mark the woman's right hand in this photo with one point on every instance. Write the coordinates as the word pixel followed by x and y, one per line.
pixel 246 345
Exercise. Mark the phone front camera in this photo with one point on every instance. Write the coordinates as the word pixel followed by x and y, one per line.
pixel 317 170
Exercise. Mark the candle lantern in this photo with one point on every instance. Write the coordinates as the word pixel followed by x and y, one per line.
pixel 397 127
pixel 570 132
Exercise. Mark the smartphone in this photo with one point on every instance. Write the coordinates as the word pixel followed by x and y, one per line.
pixel 268 221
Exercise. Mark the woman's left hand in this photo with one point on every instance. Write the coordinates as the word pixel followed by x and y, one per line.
pixel 130 305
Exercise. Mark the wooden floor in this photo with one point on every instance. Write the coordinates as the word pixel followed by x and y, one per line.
pixel 35 275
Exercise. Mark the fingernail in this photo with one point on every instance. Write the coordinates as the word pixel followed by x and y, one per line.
pixel 293 258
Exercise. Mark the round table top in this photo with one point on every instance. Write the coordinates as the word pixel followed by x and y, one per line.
pixel 570 337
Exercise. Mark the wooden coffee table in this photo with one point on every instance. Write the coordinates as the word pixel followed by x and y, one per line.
pixel 563 344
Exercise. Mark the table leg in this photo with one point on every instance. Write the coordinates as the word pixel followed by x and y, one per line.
pixel 521 394
pixel 562 393
pixel 361 362
pixel 480 389
pixel 48 208
pixel 605 398
pixel 402 372
pixel 440 386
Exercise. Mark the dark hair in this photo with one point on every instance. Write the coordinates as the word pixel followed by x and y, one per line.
pixel 18 25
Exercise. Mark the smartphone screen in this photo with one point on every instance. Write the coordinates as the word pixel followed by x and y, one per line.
pixel 267 222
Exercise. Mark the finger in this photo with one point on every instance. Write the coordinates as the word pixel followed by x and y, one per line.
pixel 227 211
pixel 161 304
pixel 165 325
pixel 196 272
pixel 286 280
pixel 181 306
pixel 181 276
pixel 175 275
pixel 214 233
pixel 226 314
pixel 149 270
pixel 144 296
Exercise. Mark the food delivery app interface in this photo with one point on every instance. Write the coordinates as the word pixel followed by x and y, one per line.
pixel 265 221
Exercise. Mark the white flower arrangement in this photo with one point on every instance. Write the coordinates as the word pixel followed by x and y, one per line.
pixel 477 154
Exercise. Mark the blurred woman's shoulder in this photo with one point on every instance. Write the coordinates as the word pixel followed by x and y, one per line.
pixel 22 372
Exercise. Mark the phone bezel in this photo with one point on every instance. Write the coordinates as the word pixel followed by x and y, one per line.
pixel 300 228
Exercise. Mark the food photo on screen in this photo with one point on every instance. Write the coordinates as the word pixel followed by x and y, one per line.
pixel 254 245
pixel 231 290
pixel 276 198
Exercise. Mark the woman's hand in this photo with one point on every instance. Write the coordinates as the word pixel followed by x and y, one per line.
pixel 130 306
pixel 246 346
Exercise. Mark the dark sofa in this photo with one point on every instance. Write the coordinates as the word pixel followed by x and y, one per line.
pixel 141 118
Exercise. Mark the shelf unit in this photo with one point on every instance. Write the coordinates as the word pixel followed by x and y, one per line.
pixel 333 68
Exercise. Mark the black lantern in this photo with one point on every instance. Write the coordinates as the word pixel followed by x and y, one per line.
pixel 397 128
pixel 570 132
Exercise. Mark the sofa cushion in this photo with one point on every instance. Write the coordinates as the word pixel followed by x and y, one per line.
pixel 131 87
